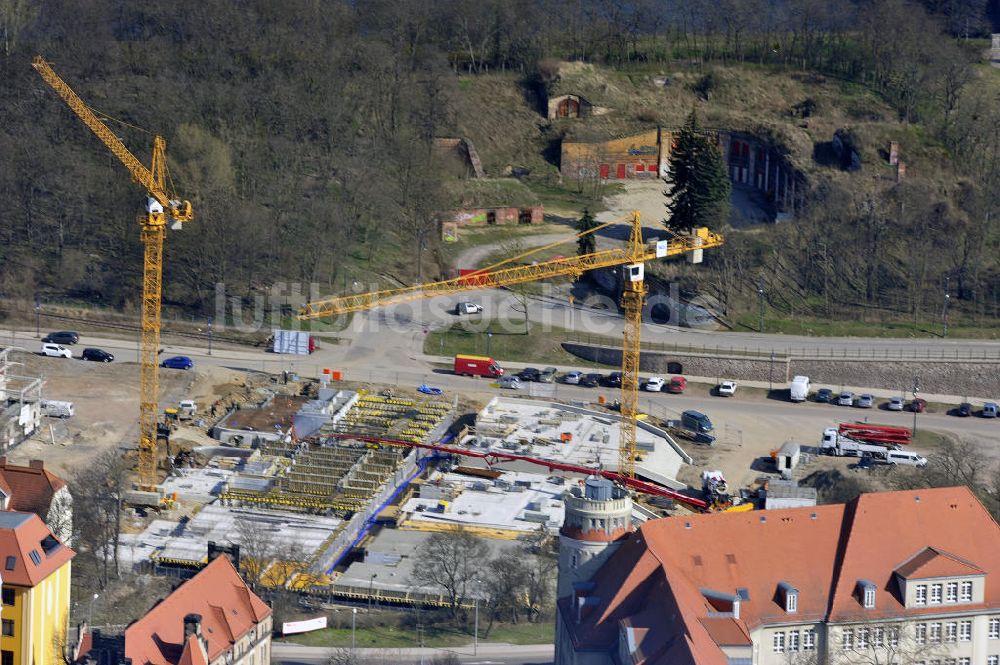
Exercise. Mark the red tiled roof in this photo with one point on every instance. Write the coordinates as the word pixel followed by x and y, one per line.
pixel 192 654
pixel 726 631
pixel 30 488
pixel 890 527
pixel 21 545
pixel 661 577
pixel 931 562
pixel 227 608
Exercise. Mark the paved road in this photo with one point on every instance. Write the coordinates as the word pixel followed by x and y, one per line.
pixel 396 359
pixel 488 654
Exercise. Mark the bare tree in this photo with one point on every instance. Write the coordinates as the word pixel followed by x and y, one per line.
pixel 15 17
pixel 100 489
pixel 451 561
pixel 257 548
pixel 876 643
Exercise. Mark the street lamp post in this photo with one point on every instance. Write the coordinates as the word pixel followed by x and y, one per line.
pixel 38 309
pixel 210 335
pixel 489 338
pixel 354 621
pixel 90 610
pixel 760 306
pixel 475 634
pixel 371 584
pixel 916 389
pixel 944 309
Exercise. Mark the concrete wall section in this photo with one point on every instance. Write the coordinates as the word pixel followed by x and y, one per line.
pixel 947 377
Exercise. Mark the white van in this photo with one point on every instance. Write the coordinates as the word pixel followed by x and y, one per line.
pixel 905 457
pixel 799 389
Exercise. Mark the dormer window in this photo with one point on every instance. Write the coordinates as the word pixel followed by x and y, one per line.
pixel 789 596
pixel 866 594
pixel 967 591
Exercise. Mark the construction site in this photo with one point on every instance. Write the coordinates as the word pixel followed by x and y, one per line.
pixel 331 486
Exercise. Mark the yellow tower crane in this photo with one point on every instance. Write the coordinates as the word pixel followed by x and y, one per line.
pixel 633 257
pixel 160 208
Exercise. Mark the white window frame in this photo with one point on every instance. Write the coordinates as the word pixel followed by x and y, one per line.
pixel 920 597
pixel 920 633
pixel 994 628
pixel 869 597
pixel 951 592
pixel 779 642
pixel 964 660
pixel 951 631
pixel 936 590
pixel 792 601
pixel 862 640
pixel 934 633
pixel 965 631
pixel 993 659
pixel 809 640
pixel 847 639
pixel 793 641
pixel 878 636
pixel 966 594
pixel 892 632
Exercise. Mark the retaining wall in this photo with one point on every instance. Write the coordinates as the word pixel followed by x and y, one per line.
pixel 937 376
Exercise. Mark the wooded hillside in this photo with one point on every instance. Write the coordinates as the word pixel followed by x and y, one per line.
pixel 301 131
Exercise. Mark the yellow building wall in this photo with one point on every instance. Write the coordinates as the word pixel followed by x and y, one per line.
pixel 41 620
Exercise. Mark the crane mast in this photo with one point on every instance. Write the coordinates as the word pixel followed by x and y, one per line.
pixel 632 259
pixel 160 209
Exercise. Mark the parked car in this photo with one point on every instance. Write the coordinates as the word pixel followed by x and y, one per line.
pixel 989 410
pixel 56 351
pixel 824 395
pixel 590 380
pixel 613 380
pixel 918 405
pixel 468 308
pixel 573 378
pixel 865 463
pixel 510 381
pixel 677 384
pixel 846 399
pixel 865 401
pixel 727 388
pixel 529 374
pixel 62 337
pixel 895 404
pixel 97 355
pixel 964 410
pixel 548 375
pixel 654 384
pixel 177 362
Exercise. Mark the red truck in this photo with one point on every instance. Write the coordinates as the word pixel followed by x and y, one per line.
pixel 477 366
pixel 677 384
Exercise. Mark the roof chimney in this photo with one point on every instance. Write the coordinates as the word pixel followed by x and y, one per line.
pixel 37 464
pixel 192 626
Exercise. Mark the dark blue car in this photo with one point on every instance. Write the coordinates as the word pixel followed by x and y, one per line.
pixel 178 362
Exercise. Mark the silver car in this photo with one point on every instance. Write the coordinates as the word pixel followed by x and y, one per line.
pixel 573 377
pixel 846 399
pixel 895 404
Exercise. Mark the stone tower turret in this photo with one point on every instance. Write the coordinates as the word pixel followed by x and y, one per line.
pixel 597 518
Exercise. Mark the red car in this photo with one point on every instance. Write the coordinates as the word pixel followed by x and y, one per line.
pixel 677 384
pixel 918 405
